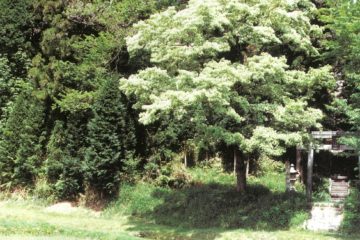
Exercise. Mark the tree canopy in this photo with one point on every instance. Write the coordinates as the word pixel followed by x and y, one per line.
pixel 224 67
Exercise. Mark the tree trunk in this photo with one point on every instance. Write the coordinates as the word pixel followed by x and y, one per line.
pixel 234 163
pixel 287 175
pixel 240 171
pixel 298 165
pixel 247 167
pixel 185 159
pixel 309 174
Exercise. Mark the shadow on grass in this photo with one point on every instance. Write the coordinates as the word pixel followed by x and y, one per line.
pixel 208 207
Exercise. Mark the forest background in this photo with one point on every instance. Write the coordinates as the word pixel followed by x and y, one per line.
pixel 98 93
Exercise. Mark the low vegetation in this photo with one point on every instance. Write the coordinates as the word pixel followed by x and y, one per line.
pixel 216 204
pixel 209 207
pixel 352 212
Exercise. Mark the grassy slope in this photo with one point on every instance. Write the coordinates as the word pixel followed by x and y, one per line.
pixel 208 210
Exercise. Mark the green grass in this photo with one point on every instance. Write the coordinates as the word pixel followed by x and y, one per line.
pixel 23 219
pixel 213 202
pixel 207 209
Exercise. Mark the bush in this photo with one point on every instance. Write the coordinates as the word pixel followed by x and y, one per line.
pixel 268 165
pixel 173 175
pixel 351 220
pixel 44 190
pixel 321 188
pixel 136 199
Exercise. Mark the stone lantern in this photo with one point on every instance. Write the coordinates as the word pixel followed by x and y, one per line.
pixel 293 177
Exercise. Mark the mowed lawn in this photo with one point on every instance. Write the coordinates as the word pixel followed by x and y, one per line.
pixel 29 220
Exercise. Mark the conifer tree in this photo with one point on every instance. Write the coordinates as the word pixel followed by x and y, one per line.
pixel 20 144
pixel 63 169
pixel 111 141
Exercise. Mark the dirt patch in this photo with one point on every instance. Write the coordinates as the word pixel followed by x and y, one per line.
pixel 69 208
pixel 62 207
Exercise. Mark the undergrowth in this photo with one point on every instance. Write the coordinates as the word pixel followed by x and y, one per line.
pixel 211 200
pixel 351 220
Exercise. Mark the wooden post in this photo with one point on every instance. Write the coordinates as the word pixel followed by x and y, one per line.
pixel 310 164
pixel 287 175
pixel 298 165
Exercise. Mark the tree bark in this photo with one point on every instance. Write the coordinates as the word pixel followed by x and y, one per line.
pixel 240 171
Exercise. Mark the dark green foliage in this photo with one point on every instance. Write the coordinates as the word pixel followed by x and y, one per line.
pixel 16 33
pixel 20 144
pixel 74 48
pixel 321 189
pixel 6 83
pixel 111 141
pixel 342 18
pixel 63 170
pixel 168 137
pixel 173 176
pixel 11 84
pixel 15 21
pixel 351 221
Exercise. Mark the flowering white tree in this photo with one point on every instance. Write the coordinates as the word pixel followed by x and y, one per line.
pixel 233 68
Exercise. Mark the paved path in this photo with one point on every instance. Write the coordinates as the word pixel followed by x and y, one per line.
pixel 325 217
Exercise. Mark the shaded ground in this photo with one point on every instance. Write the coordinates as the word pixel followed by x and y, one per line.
pixel 207 210
pixel 23 220
pixel 216 205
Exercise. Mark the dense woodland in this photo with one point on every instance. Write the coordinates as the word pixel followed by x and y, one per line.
pixel 95 93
